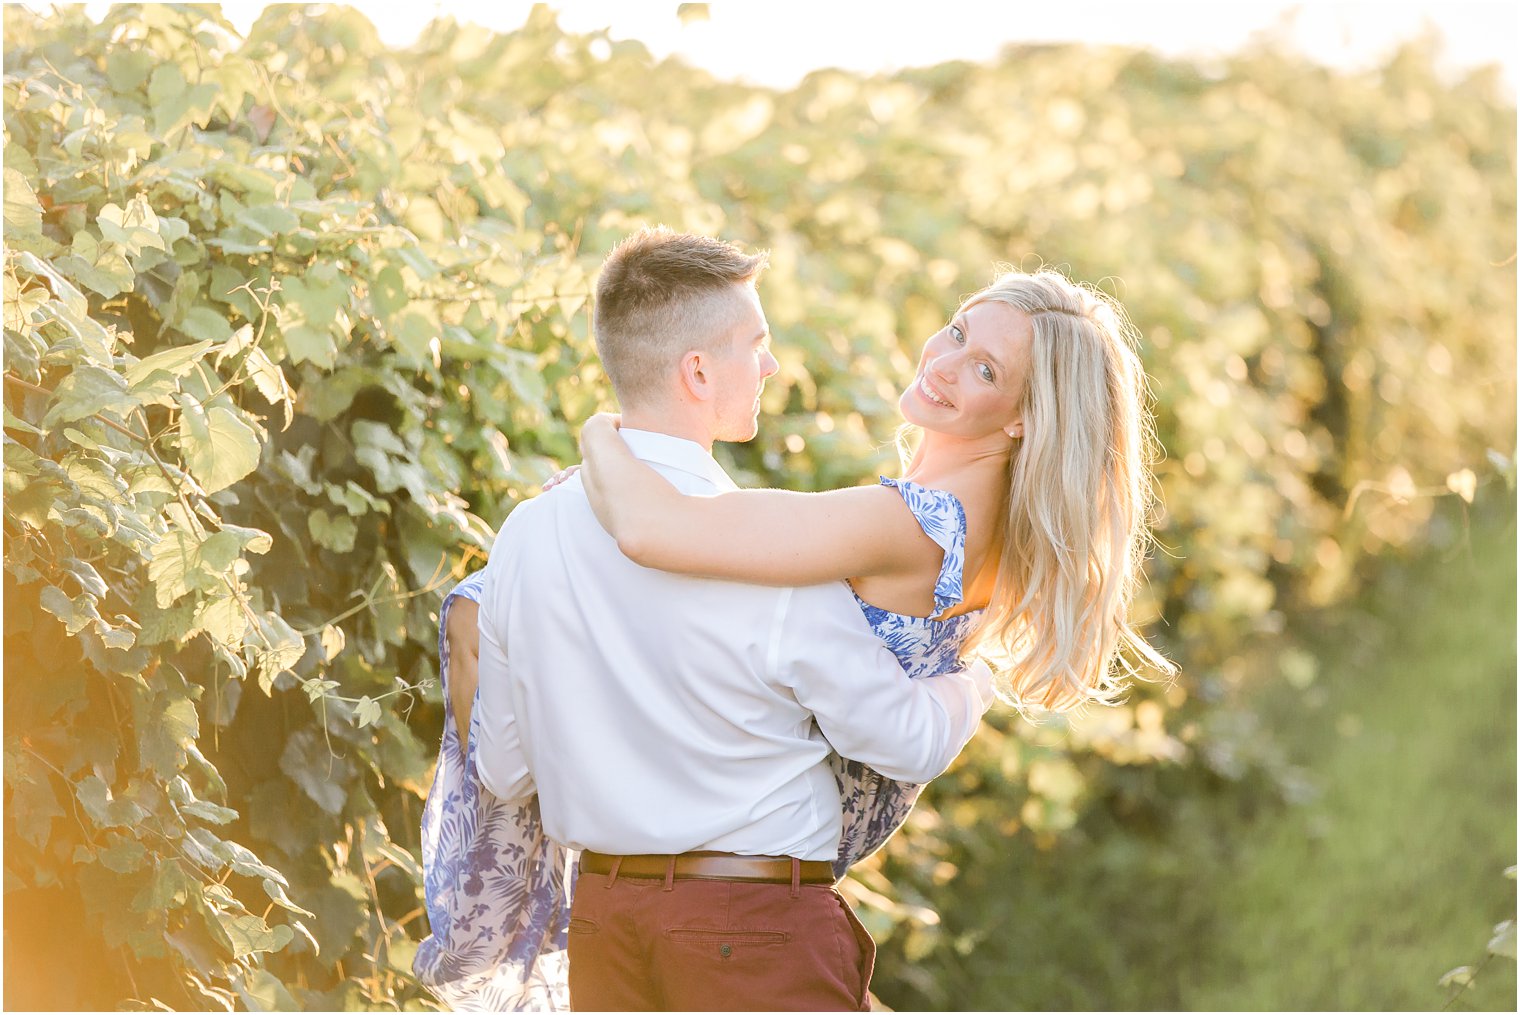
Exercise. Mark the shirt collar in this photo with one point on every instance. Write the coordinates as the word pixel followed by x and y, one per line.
pixel 677 453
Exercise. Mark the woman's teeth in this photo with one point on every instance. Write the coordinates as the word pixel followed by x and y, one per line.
pixel 932 395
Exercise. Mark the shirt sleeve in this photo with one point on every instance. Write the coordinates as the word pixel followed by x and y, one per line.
pixel 500 757
pixel 909 730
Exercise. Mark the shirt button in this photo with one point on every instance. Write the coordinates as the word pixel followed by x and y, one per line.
pixel 725 950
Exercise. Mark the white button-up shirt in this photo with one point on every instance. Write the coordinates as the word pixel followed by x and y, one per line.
pixel 660 713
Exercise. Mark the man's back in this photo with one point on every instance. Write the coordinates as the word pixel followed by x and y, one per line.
pixel 649 705
pixel 665 714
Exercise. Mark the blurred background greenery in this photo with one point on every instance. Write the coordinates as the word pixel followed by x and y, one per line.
pixel 292 320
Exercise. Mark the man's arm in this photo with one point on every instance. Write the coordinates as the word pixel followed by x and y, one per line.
pixel 909 730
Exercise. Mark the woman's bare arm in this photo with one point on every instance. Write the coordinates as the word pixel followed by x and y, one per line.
pixel 464 661
pixel 770 537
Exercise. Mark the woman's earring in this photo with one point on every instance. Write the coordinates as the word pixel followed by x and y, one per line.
pixel 1014 431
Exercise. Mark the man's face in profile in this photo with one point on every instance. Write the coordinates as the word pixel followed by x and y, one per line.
pixel 740 369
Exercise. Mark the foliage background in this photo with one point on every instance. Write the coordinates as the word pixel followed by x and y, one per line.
pixel 292 321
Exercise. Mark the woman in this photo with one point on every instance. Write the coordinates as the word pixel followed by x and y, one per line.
pixel 1016 532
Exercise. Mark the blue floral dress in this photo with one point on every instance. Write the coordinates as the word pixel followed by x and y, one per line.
pixel 498 891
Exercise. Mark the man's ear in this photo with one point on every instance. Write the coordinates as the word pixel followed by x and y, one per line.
pixel 696 383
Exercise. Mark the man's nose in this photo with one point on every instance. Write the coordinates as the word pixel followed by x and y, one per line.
pixel 769 365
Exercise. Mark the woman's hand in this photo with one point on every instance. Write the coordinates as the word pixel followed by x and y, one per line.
pixel 599 428
pixel 464 662
pixel 560 476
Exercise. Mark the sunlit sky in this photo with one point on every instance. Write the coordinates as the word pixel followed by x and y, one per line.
pixel 779 41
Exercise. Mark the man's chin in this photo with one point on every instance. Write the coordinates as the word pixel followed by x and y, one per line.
pixel 740 435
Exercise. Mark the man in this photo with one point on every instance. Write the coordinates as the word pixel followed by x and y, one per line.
pixel 676 729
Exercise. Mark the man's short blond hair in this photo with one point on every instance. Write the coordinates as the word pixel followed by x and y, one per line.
pixel 661 294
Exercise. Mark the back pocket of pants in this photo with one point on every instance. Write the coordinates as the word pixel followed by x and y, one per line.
pixel 731 937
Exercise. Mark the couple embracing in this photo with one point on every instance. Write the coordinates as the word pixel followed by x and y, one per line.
pixel 697 706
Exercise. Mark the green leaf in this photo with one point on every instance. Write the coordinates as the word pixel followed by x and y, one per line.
pixel 332 642
pixel 175 102
pixel 103 808
pixel 222 618
pixel 322 775
pixel 250 540
pixel 403 759
pixel 56 601
pixel 276 891
pixel 23 215
pixel 127 69
pixel 165 727
pixel 245 862
pixel 63 290
pixel 241 339
pixel 168 886
pixel 269 220
pixel 124 855
pixel 85 574
pixel 1503 941
pixel 261 990
pixel 133 228
pixel 174 362
pixel 33 804
pixel 219 447
pixel 277 647
pixel 270 381
pixel 85 391
pixel 219 550
pixel 336 532
pixel 205 324
pixel 176 568
pixel 388 292
pixel 310 345
pixel 208 811
pixel 165 625
pixel 250 935
pixel 366 712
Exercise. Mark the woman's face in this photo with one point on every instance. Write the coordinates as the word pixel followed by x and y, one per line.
pixel 971 376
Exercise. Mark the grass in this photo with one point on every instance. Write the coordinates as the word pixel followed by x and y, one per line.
pixel 1363 898
pixel 1359 898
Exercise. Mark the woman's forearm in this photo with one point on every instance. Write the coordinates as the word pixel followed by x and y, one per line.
pixel 771 537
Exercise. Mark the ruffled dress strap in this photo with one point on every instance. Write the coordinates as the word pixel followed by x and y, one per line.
pixel 470 588
pixel 943 519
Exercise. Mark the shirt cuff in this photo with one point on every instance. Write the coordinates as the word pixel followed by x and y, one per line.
pixel 980 675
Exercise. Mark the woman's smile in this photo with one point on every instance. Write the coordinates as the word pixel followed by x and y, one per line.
pixel 932 394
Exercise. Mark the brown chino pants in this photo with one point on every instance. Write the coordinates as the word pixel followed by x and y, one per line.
pixel 652 944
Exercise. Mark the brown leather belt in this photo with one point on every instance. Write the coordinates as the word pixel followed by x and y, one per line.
pixel 710 866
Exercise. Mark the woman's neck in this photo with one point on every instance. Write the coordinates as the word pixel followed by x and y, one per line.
pixel 941 458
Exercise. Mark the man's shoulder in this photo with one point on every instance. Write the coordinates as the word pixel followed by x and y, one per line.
pixel 538 505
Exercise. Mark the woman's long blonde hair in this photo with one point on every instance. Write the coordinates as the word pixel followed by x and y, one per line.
pixel 1077 520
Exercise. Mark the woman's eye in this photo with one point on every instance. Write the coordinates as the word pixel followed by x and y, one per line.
pixel 985 371
pixel 958 335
